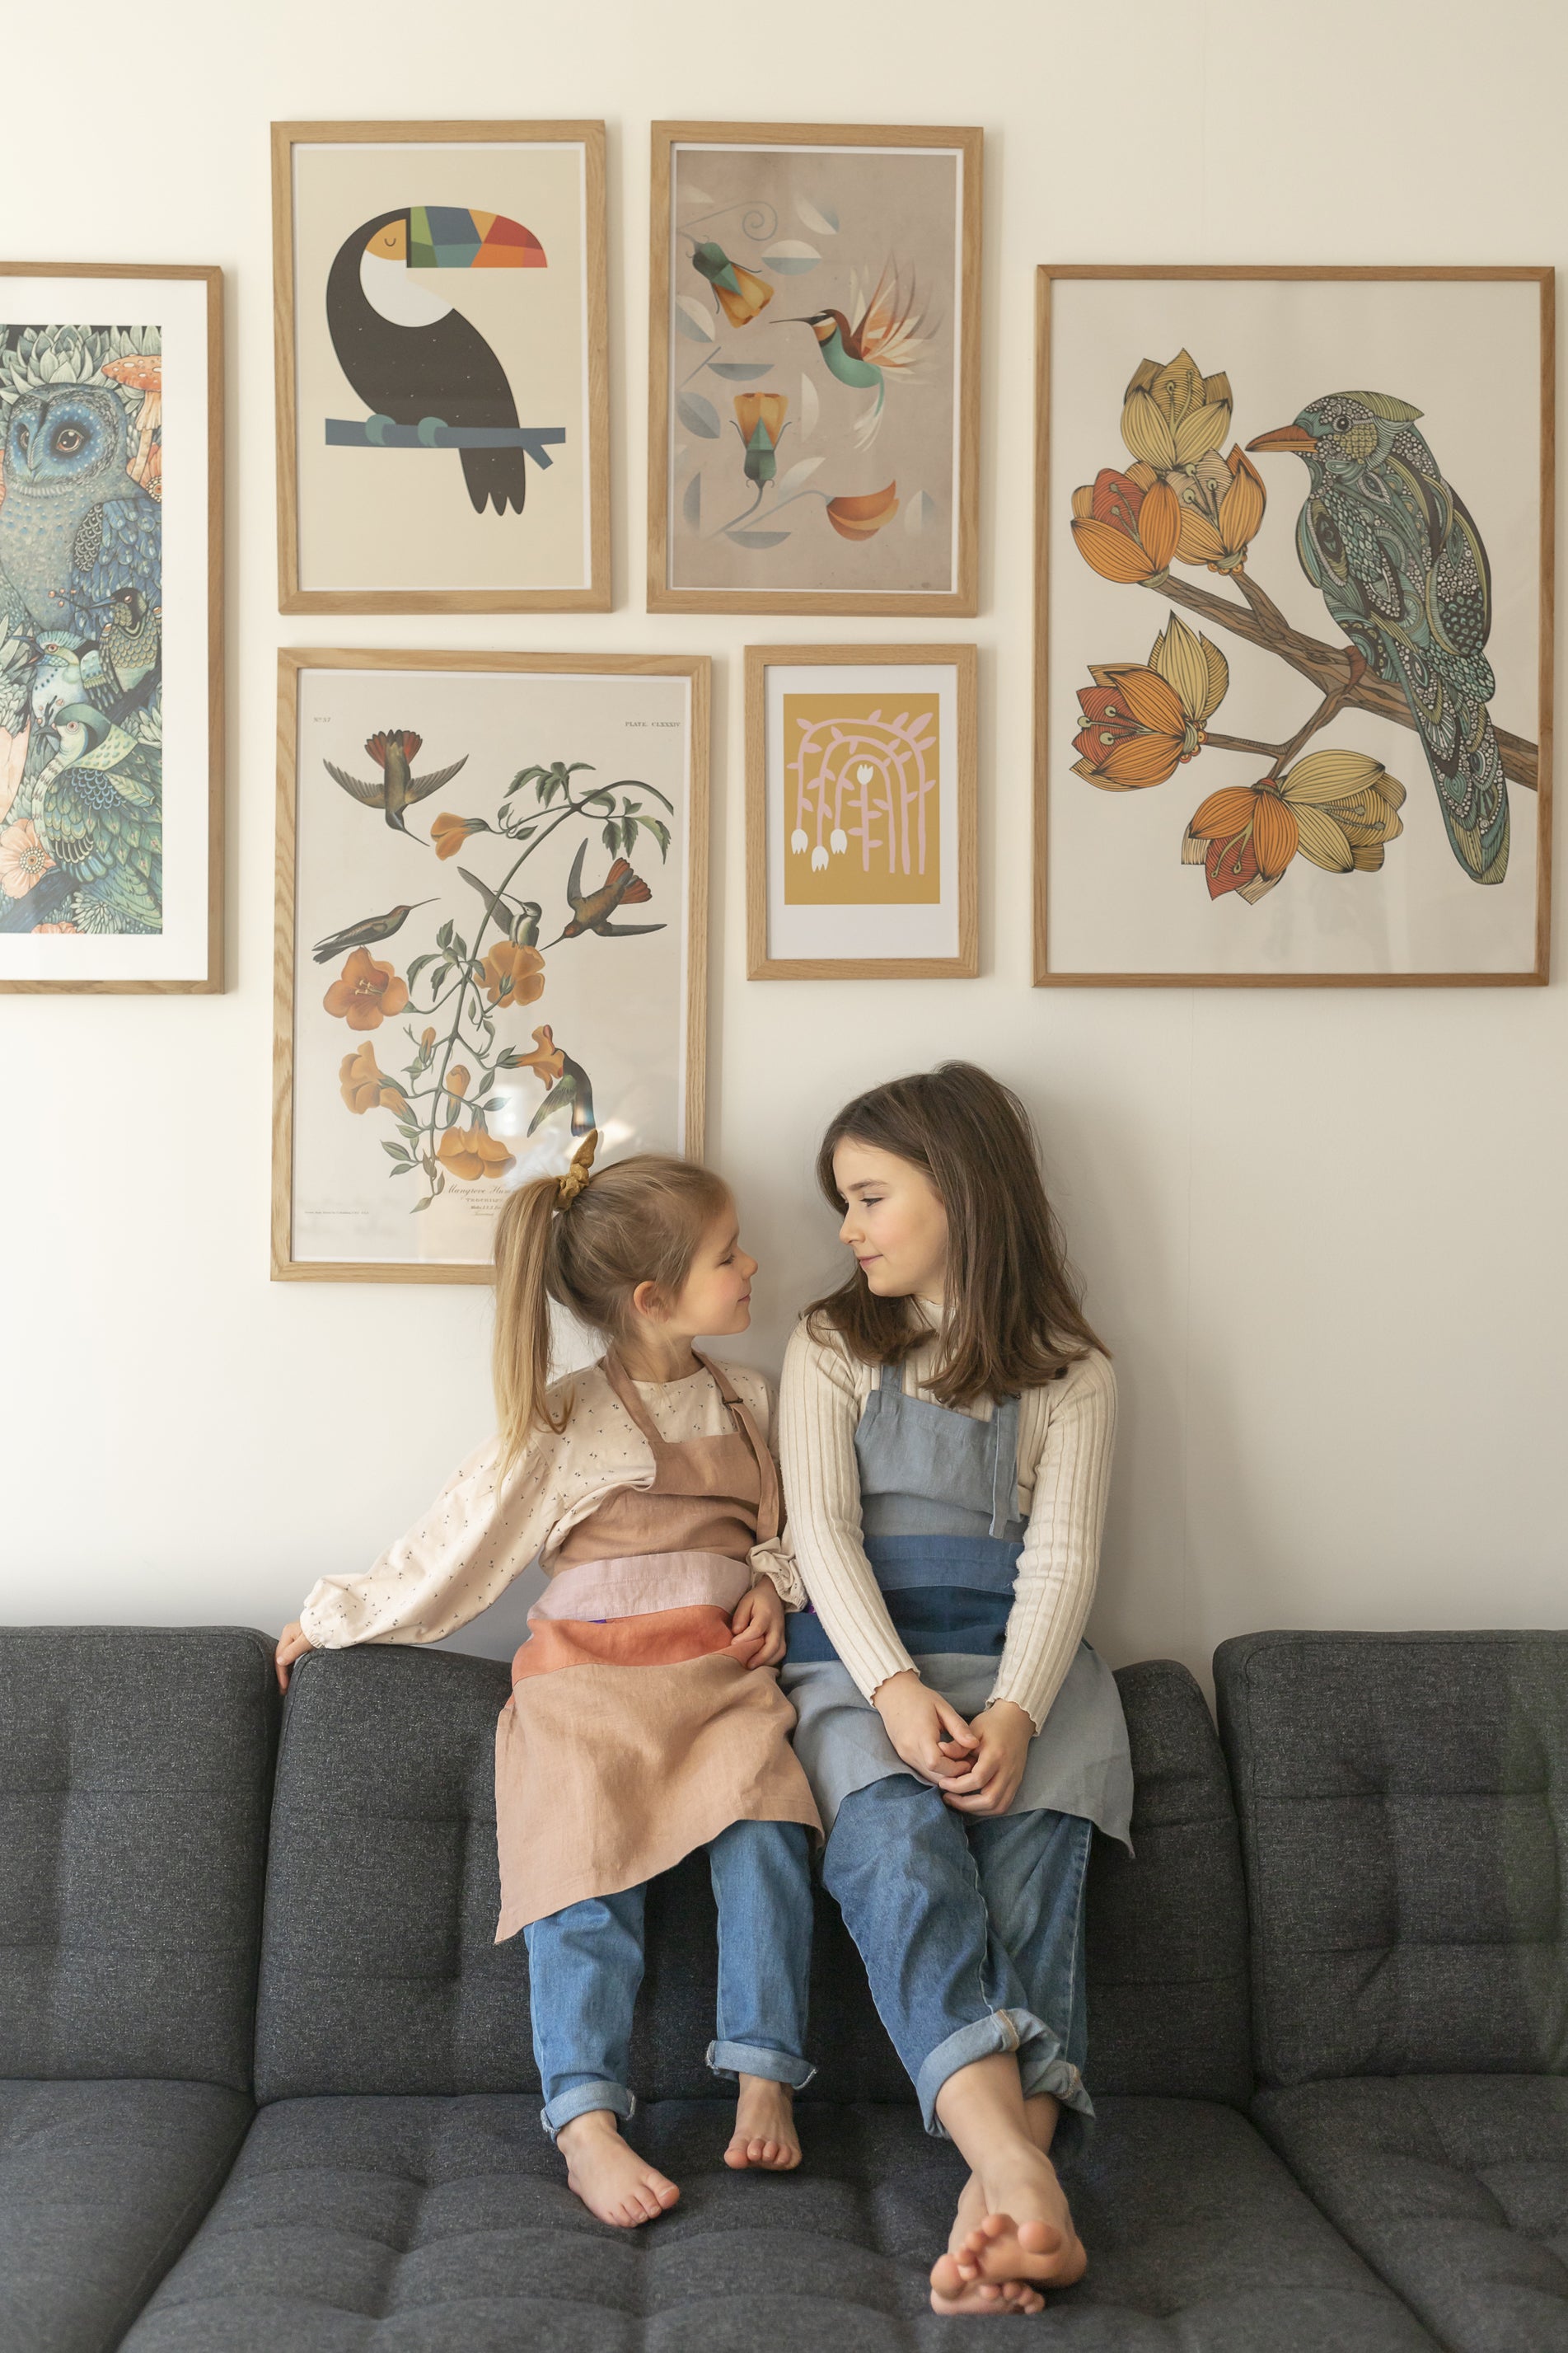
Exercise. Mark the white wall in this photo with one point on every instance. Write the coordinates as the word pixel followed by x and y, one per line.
pixel 1325 1234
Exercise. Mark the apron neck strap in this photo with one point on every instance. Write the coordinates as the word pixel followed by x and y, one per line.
pixel 621 1382
pixel 1004 1463
pixel 768 1500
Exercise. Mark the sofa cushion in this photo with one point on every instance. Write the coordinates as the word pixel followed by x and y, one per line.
pixel 1455 2186
pixel 1167 1925
pixel 135 1775
pixel 1404 1801
pixel 101 2186
pixel 381 1974
pixel 411 2226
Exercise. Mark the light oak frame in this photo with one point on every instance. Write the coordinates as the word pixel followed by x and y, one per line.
pixel 291 661
pixel 760 964
pixel 1044 978
pixel 962 601
pixel 212 981
pixel 596 596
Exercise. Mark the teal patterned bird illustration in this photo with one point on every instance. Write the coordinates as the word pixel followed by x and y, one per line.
pixel 96 808
pixel 394 750
pixel 884 335
pixel 574 1091
pixel 1401 567
pixel 366 931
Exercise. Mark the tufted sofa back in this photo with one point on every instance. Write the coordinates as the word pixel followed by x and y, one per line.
pixel 380 1973
pixel 1404 1801
pixel 135 1774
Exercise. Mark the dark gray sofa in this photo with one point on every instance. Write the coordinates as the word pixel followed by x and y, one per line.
pixel 135 1775
pixel 395 2193
pixel 1404 1804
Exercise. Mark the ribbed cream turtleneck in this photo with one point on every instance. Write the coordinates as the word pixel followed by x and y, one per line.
pixel 1066 1433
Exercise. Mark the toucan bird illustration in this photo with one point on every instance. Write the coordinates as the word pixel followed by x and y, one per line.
pixel 407 352
pixel 591 909
pixel 367 932
pixel 394 750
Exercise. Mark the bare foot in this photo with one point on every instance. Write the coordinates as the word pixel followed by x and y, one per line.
pixel 1024 2239
pixel 952 2292
pixel 612 2181
pixel 764 2132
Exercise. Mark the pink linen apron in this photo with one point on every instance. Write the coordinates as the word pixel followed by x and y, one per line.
pixel 633 1733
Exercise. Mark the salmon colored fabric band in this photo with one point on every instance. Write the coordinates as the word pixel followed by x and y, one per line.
pixel 660 1638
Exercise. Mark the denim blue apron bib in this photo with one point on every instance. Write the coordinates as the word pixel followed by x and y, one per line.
pixel 938 1498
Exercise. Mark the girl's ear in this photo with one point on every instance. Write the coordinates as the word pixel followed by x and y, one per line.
pixel 647 1300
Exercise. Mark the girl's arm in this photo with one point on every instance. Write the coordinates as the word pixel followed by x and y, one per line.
pixel 1061 1561
pixel 818 1408
pixel 454 1562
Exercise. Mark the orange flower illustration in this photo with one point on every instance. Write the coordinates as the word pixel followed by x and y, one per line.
pixel 547 1060
pixel 448 832
pixel 1143 721
pixel 760 420
pixel 1336 809
pixel 365 993
pixel 364 1087
pixel 1222 502
pixel 469 1153
pixel 457 1081
pixel 862 518
pixel 512 974
pixel 1126 526
pixel 1173 413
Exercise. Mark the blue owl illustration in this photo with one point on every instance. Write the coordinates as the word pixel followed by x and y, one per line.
pixel 75 529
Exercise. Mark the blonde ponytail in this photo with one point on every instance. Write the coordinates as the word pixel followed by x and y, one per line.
pixel 520 1361
pixel 587 1244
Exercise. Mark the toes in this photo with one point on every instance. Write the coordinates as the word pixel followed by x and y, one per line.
pixel 945 2277
pixel 1039 2238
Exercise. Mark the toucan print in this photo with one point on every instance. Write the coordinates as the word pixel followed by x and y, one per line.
pixel 403 348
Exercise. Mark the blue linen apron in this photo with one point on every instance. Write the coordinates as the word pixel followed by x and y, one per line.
pixel 938 1495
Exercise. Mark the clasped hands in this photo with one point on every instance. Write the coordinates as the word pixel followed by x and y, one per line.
pixel 976 1766
pixel 757 1627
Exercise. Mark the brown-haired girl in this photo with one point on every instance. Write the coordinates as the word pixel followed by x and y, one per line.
pixel 644 1719
pixel 947 1419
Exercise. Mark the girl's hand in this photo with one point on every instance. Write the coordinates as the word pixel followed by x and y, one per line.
pixel 291 1645
pixel 757 1627
pixel 931 1737
pixel 1002 1734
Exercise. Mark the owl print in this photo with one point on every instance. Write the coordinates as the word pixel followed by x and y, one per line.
pixel 80 629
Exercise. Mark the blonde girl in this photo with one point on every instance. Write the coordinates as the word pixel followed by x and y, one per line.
pixel 645 1719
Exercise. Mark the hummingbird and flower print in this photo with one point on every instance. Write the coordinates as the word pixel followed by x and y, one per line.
pixel 1370 534
pixel 477 931
pixel 814 300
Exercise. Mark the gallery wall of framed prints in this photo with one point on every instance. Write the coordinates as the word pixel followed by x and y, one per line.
pixel 1294 577
pixel 112 789
pixel 429 276
pixel 814 390
pixel 492 937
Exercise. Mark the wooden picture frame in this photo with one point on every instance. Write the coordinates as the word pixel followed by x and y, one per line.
pixel 914 541
pixel 943 677
pixel 470 551
pixel 684 866
pixel 145 917
pixel 1501 347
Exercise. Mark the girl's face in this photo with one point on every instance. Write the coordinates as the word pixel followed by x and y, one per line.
pixel 894 1223
pixel 716 1296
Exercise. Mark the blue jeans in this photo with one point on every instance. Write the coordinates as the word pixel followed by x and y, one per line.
pixel 972 1933
pixel 585 1965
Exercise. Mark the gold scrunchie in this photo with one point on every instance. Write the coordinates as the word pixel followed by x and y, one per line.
pixel 568 1186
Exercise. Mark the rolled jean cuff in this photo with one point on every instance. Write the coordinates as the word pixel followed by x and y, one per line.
pixel 581 2100
pixel 733 2059
pixel 1042 2067
pixel 1005 2030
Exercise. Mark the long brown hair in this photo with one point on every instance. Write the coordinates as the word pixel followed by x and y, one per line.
pixel 1013 1316
pixel 639 1221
